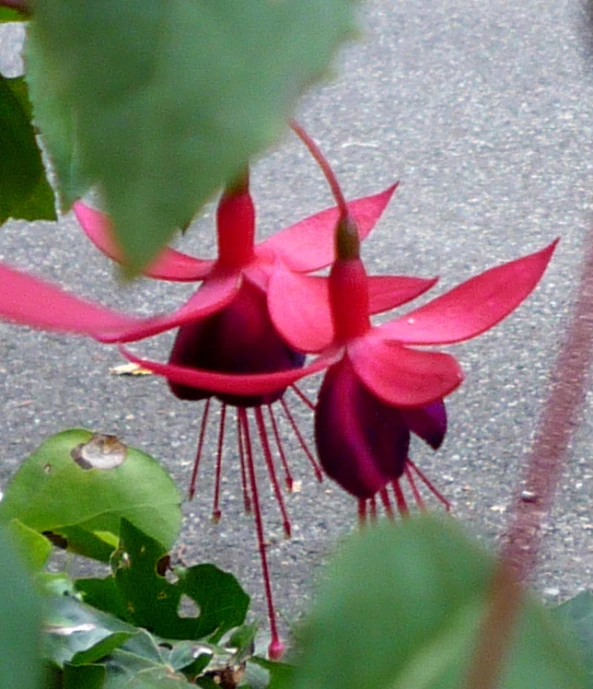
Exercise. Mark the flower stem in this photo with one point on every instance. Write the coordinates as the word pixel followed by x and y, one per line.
pixel 544 467
pixel 324 165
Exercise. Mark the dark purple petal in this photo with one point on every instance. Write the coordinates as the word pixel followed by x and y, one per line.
pixel 238 339
pixel 429 422
pixel 362 442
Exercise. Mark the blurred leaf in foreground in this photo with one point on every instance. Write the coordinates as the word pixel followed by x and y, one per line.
pixel 20 665
pixel 399 608
pixel 164 114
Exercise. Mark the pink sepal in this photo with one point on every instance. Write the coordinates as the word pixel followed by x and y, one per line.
pixel 309 245
pixel 169 265
pixel 224 383
pixel 474 306
pixel 400 376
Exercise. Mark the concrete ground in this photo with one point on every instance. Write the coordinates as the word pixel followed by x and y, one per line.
pixel 484 113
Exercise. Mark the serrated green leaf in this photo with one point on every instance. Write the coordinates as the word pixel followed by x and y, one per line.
pixel 24 189
pixel 56 121
pixel 400 607
pixel 169 112
pixel 51 492
pixel 20 665
pixel 150 601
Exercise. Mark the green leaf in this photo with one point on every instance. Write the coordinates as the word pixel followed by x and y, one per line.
pixel 20 666
pixel 576 615
pixel 78 634
pixel 400 607
pixel 33 548
pixel 9 15
pixel 24 190
pixel 140 590
pixel 52 493
pixel 83 676
pixel 169 112
pixel 54 117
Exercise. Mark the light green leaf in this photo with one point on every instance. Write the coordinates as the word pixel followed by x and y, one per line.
pixel 20 665
pixel 33 548
pixel 576 615
pixel 167 112
pixel 52 493
pixel 400 606
pixel 78 634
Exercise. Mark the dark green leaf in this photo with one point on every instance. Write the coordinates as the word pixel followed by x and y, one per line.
pixel 170 111
pixel 20 665
pixel 83 676
pixel 24 189
pixel 141 590
pixel 52 492
pixel 400 607
pixel 8 15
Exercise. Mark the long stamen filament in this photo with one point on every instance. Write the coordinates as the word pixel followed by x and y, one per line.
pixel 428 483
pixel 302 442
pixel 194 473
pixel 241 448
pixel 216 511
pixel 263 438
pixel 276 647
pixel 288 480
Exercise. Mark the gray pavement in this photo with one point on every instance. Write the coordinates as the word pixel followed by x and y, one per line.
pixel 484 112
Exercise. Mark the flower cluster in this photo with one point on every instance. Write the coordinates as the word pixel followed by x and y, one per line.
pixel 243 336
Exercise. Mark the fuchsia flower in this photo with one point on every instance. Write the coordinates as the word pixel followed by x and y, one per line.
pixel 378 386
pixel 224 327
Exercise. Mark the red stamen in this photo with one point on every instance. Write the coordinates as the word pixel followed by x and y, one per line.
pixel 276 648
pixel 373 505
pixel 415 492
pixel 194 473
pixel 362 513
pixel 216 511
pixel 241 448
pixel 287 473
pixel 430 485
pixel 263 438
pixel 384 495
pixel 400 499
pixel 302 443
pixel 303 397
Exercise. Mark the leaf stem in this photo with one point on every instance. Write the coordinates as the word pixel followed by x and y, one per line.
pixel 544 466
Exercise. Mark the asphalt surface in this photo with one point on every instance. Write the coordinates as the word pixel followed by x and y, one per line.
pixel 484 113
